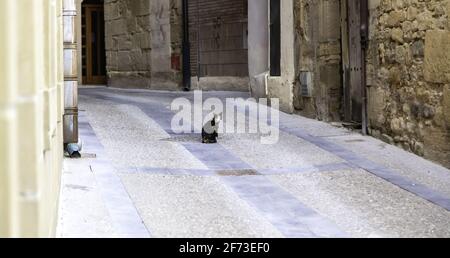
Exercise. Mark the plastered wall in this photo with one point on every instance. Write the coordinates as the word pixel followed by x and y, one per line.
pixel 31 111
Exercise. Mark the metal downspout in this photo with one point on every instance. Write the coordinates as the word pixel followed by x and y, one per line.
pixel 70 73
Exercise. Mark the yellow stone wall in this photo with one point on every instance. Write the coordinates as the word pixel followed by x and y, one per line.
pixel 408 71
pixel 31 111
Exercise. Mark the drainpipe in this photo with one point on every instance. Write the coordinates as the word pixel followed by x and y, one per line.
pixel 186 48
pixel 70 73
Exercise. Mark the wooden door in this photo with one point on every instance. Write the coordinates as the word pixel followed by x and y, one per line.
pixel 354 38
pixel 355 59
pixel 94 53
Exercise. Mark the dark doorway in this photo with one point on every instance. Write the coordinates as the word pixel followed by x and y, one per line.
pixel 218 38
pixel 354 40
pixel 93 40
pixel 275 37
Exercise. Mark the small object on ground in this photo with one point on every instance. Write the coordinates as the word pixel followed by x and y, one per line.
pixel 74 149
pixel 210 131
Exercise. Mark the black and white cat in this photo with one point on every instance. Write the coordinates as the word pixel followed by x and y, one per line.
pixel 210 131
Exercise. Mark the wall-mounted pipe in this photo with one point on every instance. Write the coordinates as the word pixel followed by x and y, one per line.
pixel 70 73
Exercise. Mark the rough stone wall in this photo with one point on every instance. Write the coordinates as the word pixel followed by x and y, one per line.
pixel 176 37
pixel 142 47
pixel 318 53
pixel 408 66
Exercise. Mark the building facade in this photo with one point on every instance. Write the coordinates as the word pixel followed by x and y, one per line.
pixel 381 65
pixel 31 116
pixel 145 42
pixel 408 76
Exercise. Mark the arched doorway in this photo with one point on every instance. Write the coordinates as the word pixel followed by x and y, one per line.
pixel 93 42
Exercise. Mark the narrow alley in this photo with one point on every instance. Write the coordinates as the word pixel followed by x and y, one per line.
pixel 272 121
pixel 137 178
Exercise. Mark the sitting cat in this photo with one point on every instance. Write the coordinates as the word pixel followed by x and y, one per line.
pixel 210 131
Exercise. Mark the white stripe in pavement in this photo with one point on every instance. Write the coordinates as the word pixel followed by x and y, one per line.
pixel 126 219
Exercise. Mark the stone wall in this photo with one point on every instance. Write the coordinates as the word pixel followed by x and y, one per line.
pixel 318 57
pixel 143 43
pixel 409 75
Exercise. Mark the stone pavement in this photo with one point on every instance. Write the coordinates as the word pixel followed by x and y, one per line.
pixel 139 179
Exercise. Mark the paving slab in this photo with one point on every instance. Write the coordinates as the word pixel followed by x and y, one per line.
pixel 82 212
pixel 194 207
pixel 367 206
